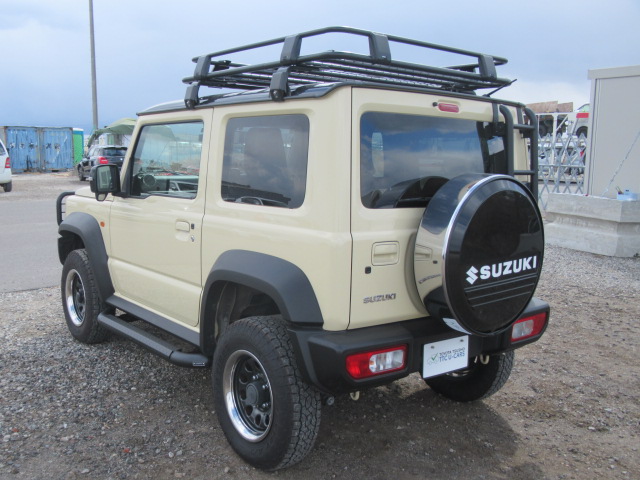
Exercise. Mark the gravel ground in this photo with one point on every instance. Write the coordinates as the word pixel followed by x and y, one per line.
pixel 571 409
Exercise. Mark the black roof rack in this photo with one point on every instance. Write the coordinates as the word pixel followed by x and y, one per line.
pixel 377 68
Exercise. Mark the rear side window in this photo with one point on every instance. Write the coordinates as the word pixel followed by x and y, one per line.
pixel 2 150
pixel 265 160
pixel 404 159
pixel 166 160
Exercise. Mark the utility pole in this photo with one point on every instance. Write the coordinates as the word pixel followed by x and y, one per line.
pixel 94 88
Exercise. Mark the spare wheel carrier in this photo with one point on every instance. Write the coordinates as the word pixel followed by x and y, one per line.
pixel 478 253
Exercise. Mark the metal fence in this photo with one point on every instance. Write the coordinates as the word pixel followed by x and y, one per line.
pixel 561 165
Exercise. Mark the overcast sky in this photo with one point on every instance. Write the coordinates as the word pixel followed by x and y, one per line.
pixel 144 47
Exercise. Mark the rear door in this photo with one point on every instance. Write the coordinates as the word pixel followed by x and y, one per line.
pixel 404 149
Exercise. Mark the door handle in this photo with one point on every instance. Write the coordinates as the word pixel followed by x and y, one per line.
pixel 183 226
pixel 385 253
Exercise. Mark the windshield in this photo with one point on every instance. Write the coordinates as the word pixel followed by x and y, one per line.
pixel 404 159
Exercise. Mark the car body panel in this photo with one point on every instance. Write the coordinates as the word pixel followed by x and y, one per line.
pixel 5 173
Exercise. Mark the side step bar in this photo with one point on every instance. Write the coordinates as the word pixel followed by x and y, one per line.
pixel 153 343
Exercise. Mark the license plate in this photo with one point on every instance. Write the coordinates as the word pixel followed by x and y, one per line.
pixel 445 356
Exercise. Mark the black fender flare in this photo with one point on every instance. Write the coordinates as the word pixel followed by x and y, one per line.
pixel 284 282
pixel 88 230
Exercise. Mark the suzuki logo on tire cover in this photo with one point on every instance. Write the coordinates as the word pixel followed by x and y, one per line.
pixel 501 269
pixel 472 275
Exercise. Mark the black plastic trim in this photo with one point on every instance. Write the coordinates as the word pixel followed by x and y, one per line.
pixel 157 345
pixel 283 281
pixel 322 355
pixel 159 321
pixel 535 306
pixel 88 230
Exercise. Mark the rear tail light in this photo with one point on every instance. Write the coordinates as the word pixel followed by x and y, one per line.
pixel 377 362
pixel 103 160
pixel 7 164
pixel 528 327
pixel 582 115
pixel 448 107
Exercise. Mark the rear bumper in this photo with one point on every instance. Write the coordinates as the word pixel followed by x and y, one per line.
pixel 322 355
pixel 5 175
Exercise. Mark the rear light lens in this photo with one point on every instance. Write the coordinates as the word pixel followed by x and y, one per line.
pixel 448 107
pixel 377 362
pixel 582 115
pixel 528 327
pixel 103 160
pixel 7 164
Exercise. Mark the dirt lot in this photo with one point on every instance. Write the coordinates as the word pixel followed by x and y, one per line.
pixel 571 409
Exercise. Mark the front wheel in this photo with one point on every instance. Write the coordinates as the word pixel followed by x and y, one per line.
pixel 480 380
pixel 80 299
pixel 269 415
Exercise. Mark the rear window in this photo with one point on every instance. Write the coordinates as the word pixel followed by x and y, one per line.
pixel 404 159
pixel 114 152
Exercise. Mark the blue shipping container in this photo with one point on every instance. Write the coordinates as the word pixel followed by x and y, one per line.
pixel 39 149
pixel 22 143
pixel 56 148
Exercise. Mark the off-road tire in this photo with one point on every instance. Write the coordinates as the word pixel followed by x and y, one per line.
pixel 80 299
pixel 476 382
pixel 269 415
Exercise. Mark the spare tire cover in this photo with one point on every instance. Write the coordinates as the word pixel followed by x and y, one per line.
pixel 478 253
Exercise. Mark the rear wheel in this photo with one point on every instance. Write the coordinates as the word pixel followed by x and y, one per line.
pixel 80 299
pixel 582 131
pixel 269 415
pixel 8 186
pixel 480 380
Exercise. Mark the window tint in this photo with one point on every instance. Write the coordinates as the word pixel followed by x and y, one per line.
pixel 265 160
pixel 113 151
pixel 2 150
pixel 404 159
pixel 166 160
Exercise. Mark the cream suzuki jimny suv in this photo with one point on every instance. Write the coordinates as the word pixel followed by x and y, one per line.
pixel 326 223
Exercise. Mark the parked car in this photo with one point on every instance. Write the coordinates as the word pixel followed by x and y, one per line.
pixel 582 120
pixel 100 155
pixel 5 168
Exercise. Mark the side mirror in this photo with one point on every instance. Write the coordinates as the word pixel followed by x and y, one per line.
pixel 105 179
